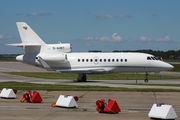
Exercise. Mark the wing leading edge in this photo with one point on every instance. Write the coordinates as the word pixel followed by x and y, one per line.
pixel 87 70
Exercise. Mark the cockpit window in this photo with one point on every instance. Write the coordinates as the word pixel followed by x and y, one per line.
pixel 153 58
pixel 148 58
pixel 156 58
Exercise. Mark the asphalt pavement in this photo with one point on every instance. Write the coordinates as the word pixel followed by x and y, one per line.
pixel 133 105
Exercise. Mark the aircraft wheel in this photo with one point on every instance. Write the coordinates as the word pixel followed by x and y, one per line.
pixel 82 78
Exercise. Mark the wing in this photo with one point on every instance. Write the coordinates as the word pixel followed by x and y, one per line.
pixel 81 70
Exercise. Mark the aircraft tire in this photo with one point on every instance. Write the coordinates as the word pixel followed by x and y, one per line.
pixel 83 79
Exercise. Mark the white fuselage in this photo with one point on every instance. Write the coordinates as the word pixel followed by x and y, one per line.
pixel 99 62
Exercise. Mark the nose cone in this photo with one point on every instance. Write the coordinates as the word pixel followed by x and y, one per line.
pixel 171 66
pixel 168 66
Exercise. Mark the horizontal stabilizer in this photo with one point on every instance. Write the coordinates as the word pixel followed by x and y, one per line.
pixel 24 44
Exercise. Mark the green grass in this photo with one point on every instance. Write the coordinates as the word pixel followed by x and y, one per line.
pixel 49 87
pixel 117 76
pixel 172 85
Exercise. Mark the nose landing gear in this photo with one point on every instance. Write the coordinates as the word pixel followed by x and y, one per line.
pixel 146 79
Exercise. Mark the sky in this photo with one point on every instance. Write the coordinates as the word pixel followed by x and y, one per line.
pixel 104 25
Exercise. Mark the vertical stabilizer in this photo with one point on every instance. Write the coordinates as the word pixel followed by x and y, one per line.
pixel 31 42
pixel 28 36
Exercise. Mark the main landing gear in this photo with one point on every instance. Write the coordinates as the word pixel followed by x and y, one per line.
pixel 82 77
pixel 146 79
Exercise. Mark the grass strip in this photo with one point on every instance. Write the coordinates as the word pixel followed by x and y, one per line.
pixel 114 76
pixel 50 87
pixel 171 85
pixel 176 68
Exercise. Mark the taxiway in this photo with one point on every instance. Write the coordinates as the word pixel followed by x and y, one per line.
pixel 134 105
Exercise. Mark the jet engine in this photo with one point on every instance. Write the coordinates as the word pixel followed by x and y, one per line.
pixel 62 47
pixel 34 59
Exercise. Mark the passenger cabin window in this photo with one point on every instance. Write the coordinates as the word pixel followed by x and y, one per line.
pixel 112 60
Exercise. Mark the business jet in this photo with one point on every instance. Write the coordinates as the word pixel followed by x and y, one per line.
pixel 58 57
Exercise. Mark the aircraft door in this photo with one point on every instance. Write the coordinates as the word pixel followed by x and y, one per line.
pixel 96 60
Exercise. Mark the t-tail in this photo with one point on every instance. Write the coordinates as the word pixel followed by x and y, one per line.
pixel 35 48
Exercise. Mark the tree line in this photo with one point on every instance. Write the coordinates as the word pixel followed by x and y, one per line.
pixel 170 54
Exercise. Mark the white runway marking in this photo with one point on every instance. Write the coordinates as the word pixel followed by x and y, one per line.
pixel 7 69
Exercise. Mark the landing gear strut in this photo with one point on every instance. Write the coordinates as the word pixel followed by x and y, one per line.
pixel 146 79
pixel 82 77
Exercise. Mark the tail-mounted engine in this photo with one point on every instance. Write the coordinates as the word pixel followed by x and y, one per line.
pixel 62 47
pixel 34 59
